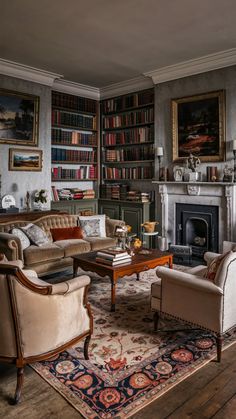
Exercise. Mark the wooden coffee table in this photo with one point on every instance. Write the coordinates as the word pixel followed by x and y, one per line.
pixel 140 263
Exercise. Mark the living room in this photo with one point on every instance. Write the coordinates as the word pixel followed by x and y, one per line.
pixel 178 62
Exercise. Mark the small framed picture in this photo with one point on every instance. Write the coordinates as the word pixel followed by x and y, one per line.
pixel 27 160
pixel 178 173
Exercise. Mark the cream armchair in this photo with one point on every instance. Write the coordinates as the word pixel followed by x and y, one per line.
pixel 39 320
pixel 191 297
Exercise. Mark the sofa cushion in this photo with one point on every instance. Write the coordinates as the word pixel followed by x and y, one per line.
pixel 214 265
pixel 98 243
pixel 101 223
pixel 35 234
pixel 91 228
pixel 73 246
pixel 67 233
pixel 48 251
pixel 22 236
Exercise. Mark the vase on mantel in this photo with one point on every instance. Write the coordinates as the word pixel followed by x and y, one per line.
pixel 39 206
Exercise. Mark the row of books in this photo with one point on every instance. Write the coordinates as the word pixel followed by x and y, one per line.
pixel 114 191
pixel 61 154
pixel 72 102
pixel 130 136
pixel 128 101
pixel 73 120
pixel 71 193
pixel 113 256
pixel 62 136
pixel 129 154
pixel 145 172
pixel 83 172
pixel 142 116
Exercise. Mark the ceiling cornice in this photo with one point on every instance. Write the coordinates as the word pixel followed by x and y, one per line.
pixel 127 86
pixel 196 66
pixel 25 72
pixel 78 89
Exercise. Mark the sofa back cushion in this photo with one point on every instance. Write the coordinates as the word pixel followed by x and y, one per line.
pixel 67 233
pixel 36 235
pixel 93 225
pixel 22 236
pixel 56 221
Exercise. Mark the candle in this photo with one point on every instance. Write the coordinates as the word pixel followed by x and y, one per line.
pixel 160 151
pixel 234 144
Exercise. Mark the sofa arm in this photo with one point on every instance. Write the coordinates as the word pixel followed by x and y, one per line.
pixel 111 225
pixel 209 256
pixel 10 245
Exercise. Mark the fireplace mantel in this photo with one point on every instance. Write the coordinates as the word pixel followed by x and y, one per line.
pixel 221 194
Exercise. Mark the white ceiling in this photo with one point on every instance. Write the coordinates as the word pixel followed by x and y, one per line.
pixel 100 42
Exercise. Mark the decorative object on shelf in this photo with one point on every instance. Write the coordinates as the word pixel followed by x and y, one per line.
pixel 149 226
pixel 212 174
pixel 163 174
pixel 199 126
pixel 229 173
pixel 8 204
pixel 40 199
pixel 192 162
pixel 27 201
pixel 19 118
pixel 27 160
pixel 160 154
pixel 234 151
pixel 178 172
pixel 125 237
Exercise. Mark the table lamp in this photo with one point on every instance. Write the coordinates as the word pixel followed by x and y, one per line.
pixel 159 156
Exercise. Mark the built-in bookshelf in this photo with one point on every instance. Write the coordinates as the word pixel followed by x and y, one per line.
pixel 74 142
pixel 128 137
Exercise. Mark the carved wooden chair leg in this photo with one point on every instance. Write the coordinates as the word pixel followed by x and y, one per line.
pixel 19 385
pixel 86 345
pixel 219 341
pixel 156 319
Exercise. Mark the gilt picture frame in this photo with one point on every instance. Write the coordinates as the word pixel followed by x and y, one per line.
pixel 19 118
pixel 198 126
pixel 27 160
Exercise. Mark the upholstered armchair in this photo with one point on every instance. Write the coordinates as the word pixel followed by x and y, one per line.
pixel 39 320
pixel 191 297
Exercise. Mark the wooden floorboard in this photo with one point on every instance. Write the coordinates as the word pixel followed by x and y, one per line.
pixel 208 393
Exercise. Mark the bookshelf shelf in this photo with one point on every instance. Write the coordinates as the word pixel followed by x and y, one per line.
pixel 74 128
pixel 128 137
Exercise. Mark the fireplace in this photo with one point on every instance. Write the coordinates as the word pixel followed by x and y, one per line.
pixel 197 226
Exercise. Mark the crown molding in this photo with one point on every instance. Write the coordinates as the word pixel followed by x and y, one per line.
pixel 127 86
pixel 78 89
pixel 196 66
pixel 25 72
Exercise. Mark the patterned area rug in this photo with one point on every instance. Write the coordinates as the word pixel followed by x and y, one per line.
pixel 130 365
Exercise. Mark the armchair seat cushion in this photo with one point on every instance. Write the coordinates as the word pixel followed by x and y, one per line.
pixel 73 246
pixel 47 252
pixel 98 243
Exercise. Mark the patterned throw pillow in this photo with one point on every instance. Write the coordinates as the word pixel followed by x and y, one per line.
pixel 91 228
pixel 213 267
pixel 36 235
pixel 101 218
pixel 22 236
pixel 67 233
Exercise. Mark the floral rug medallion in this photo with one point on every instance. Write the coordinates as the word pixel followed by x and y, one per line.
pixel 130 365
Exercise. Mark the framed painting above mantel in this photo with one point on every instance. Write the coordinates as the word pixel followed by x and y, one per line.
pixel 19 118
pixel 198 124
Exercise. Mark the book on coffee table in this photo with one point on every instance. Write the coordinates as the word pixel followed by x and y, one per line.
pixel 112 254
pixel 111 262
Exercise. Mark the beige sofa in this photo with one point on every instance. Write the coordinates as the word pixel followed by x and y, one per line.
pixel 54 256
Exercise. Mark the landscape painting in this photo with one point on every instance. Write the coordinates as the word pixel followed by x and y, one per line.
pixel 199 126
pixel 18 118
pixel 25 160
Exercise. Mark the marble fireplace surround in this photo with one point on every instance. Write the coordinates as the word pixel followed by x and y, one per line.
pixel 219 194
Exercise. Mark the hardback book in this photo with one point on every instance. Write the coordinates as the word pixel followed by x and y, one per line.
pixel 123 261
pixel 112 254
pixel 111 257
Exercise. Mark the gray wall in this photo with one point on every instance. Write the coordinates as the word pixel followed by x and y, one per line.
pixel 28 181
pixel 207 82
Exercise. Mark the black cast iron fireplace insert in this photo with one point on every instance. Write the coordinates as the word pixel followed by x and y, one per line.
pixel 197 226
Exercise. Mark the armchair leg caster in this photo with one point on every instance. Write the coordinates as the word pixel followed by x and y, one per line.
pixel 86 345
pixel 19 385
pixel 219 341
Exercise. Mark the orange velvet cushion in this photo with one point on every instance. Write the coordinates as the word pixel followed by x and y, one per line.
pixel 67 233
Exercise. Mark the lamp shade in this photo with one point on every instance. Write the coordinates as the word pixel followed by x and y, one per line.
pixel 160 151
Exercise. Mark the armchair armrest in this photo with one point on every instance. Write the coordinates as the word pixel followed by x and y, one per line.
pixel 188 280
pixel 70 285
pixel 10 245
pixel 111 225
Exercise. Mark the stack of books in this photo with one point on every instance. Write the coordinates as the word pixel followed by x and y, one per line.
pixel 113 256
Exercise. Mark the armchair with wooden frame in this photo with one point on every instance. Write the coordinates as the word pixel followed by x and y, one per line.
pixel 39 320
pixel 189 296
